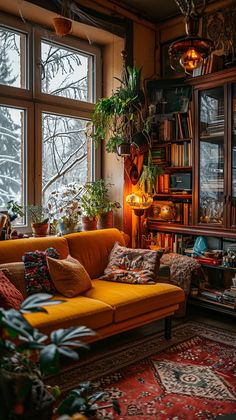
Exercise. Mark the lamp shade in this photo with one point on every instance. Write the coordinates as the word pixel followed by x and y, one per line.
pixel 191 51
pixel 139 200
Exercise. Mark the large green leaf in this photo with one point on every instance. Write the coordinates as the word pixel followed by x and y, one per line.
pixel 33 303
pixel 49 359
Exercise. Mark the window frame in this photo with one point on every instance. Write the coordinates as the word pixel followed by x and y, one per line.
pixel 36 102
pixel 77 45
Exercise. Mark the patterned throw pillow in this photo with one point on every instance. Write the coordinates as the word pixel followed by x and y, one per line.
pixel 10 297
pixel 36 271
pixel 127 265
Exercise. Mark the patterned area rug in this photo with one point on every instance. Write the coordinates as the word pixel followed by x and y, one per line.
pixel 191 376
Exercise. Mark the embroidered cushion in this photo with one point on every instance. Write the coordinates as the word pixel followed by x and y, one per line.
pixel 69 276
pixel 36 271
pixel 129 265
pixel 10 297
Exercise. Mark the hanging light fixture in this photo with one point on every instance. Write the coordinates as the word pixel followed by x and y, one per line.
pixel 191 51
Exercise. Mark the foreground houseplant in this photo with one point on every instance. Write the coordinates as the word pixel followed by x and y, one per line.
pixel 26 355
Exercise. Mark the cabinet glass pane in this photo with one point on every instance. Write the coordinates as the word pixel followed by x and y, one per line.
pixel 233 201
pixel 211 185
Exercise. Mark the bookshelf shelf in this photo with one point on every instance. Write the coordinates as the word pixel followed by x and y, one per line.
pixel 196 147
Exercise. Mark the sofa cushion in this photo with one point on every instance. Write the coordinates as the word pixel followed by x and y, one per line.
pixel 15 271
pixel 10 251
pixel 130 300
pixel 37 275
pixel 10 296
pixel 128 265
pixel 93 248
pixel 69 276
pixel 76 311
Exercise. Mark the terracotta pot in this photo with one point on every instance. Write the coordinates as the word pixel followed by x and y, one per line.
pixel 88 223
pixel 40 229
pixel 62 25
pixel 105 220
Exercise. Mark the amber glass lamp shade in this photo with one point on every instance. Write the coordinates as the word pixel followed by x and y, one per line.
pixel 191 60
pixel 139 201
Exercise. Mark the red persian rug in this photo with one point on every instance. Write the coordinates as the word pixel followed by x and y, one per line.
pixel 191 376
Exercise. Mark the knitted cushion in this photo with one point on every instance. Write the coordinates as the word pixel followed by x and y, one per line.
pixel 36 271
pixel 10 297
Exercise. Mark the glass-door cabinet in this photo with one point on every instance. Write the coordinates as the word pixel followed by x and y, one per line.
pixel 214 188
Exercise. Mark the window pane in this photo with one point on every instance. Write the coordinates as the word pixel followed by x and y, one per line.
pixel 11 155
pixel 13 54
pixel 66 72
pixel 66 155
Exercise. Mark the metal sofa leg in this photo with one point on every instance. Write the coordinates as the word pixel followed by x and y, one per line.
pixel 168 320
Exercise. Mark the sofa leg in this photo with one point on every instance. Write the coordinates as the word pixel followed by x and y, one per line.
pixel 168 320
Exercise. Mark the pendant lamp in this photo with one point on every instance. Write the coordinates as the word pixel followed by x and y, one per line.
pixel 190 52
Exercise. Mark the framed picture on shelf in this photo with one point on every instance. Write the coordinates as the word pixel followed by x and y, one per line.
pixel 166 71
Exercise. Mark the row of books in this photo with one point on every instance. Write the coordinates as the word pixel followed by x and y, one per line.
pixel 181 154
pixel 179 127
pixel 171 242
pixel 227 297
pixel 212 64
pixel 162 183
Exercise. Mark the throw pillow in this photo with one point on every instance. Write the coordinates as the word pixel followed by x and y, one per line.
pixel 69 276
pixel 128 265
pixel 15 271
pixel 36 271
pixel 10 297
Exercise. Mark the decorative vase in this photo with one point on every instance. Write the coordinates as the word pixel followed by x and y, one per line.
pixel 105 220
pixel 40 229
pixel 62 25
pixel 89 223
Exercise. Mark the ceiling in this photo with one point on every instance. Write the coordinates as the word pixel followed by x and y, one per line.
pixel 154 10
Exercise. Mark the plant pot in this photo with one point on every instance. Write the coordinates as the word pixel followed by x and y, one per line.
pixel 123 149
pixel 21 392
pixel 140 142
pixel 89 223
pixel 40 229
pixel 105 220
pixel 62 25
pixel 66 227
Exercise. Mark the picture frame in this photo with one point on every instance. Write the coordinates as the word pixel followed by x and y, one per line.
pixel 166 71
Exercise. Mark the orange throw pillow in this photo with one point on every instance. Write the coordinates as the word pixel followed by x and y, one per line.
pixel 69 276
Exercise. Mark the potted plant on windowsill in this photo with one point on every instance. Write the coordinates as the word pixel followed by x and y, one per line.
pixel 120 118
pixel 96 206
pixel 39 220
pixel 26 355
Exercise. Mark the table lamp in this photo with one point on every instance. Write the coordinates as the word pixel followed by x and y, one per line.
pixel 139 202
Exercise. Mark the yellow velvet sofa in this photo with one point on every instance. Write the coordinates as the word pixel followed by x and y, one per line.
pixel 108 308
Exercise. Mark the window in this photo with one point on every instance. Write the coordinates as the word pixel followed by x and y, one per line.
pixel 45 105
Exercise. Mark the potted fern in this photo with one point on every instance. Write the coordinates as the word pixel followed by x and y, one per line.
pixel 120 117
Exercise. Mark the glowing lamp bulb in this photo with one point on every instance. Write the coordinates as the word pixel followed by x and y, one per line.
pixel 191 60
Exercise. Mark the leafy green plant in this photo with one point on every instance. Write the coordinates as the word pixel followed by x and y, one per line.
pixel 15 209
pixel 84 400
pixel 38 214
pixel 95 200
pixel 26 355
pixel 147 180
pixel 119 117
